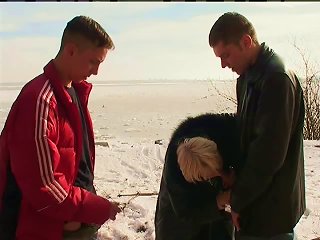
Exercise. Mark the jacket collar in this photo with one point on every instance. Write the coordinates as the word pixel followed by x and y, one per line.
pixel 257 69
pixel 83 88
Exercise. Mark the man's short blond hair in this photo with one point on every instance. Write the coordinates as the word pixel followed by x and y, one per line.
pixel 84 32
pixel 198 156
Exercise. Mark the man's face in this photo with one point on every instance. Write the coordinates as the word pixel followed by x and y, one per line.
pixel 233 56
pixel 86 62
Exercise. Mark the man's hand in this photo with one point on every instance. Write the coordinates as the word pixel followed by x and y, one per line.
pixel 235 219
pixel 114 210
pixel 71 226
pixel 229 179
pixel 223 199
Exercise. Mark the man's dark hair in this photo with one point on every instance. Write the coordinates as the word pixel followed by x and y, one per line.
pixel 87 28
pixel 229 28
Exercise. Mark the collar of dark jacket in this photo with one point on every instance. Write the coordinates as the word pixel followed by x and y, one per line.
pixel 257 69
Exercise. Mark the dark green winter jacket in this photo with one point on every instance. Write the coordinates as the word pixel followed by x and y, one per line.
pixel 269 193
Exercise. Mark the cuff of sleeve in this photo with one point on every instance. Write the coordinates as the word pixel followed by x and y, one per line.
pixel 93 210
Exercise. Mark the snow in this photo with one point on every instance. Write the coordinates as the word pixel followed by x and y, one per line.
pixel 127 122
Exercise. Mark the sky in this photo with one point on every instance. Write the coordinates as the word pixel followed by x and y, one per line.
pixel 153 40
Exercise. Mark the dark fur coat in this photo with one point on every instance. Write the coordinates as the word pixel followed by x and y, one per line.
pixel 187 211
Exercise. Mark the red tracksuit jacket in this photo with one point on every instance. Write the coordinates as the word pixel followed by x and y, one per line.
pixel 42 142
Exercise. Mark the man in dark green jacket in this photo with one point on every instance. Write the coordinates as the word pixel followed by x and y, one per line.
pixel 188 211
pixel 268 198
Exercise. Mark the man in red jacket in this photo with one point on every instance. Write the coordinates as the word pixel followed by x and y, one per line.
pixel 47 146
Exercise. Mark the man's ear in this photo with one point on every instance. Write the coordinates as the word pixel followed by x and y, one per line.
pixel 70 49
pixel 246 41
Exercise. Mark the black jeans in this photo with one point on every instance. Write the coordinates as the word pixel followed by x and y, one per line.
pixel 285 236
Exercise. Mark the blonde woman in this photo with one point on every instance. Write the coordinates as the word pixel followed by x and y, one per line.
pixel 200 160
pixel 186 207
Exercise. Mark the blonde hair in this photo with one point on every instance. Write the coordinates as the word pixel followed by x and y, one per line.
pixel 198 156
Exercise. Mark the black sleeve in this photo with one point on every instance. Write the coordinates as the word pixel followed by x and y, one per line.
pixel 267 151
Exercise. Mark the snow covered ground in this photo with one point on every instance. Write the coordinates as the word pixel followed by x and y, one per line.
pixel 128 119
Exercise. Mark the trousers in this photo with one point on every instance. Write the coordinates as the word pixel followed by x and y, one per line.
pixel 285 236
